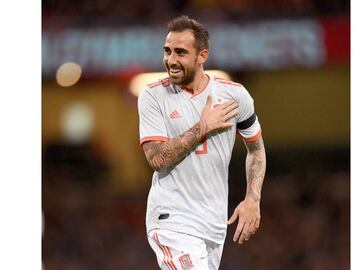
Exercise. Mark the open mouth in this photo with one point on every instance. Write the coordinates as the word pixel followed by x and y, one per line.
pixel 174 71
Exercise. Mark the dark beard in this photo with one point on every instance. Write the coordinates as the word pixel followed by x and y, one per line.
pixel 187 79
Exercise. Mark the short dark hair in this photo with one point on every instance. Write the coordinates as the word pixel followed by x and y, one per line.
pixel 201 35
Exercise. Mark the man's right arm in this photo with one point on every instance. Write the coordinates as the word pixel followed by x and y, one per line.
pixel 161 155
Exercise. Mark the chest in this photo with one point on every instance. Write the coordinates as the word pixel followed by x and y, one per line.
pixel 181 112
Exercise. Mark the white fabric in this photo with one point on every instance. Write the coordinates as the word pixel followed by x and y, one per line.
pixel 179 251
pixel 194 192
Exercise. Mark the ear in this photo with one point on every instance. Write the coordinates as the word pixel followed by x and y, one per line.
pixel 203 56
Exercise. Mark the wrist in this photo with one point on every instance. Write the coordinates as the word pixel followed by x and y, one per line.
pixel 252 197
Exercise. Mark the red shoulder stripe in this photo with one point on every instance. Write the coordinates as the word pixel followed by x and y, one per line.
pixel 152 85
pixel 223 81
pixel 218 78
pixel 164 82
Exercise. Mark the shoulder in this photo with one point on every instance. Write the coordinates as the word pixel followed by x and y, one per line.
pixel 234 89
pixel 159 88
pixel 155 91
pixel 227 83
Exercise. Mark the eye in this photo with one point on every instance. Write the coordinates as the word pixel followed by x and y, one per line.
pixel 180 52
pixel 167 51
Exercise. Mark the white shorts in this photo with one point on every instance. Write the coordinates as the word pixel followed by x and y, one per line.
pixel 179 251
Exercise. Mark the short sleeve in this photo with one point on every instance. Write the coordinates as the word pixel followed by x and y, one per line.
pixel 247 125
pixel 151 121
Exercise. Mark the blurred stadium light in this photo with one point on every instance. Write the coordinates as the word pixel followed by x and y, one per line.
pixel 77 122
pixel 68 74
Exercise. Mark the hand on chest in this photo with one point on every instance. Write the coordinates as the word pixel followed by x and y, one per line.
pixel 181 112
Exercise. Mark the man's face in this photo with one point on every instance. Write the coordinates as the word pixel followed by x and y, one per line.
pixel 180 57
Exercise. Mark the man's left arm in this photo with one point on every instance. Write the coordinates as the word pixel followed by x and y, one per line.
pixel 248 211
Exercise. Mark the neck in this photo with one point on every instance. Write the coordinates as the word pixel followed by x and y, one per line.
pixel 198 84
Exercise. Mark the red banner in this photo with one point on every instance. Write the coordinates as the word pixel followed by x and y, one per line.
pixel 337 39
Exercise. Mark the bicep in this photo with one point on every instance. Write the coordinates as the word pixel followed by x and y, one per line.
pixel 248 125
pixel 151 123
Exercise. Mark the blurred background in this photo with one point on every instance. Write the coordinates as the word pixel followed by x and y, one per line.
pixel 293 57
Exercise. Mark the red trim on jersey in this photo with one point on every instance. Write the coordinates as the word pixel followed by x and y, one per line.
pixel 167 253
pixel 191 91
pixel 153 138
pixel 253 138
pixel 152 85
pixel 164 82
pixel 223 81
pixel 188 90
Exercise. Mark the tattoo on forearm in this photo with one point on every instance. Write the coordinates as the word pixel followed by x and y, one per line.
pixel 255 168
pixel 255 145
pixel 164 154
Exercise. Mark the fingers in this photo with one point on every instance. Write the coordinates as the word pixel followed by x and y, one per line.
pixel 252 228
pixel 249 229
pixel 231 114
pixel 249 221
pixel 245 229
pixel 232 218
pixel 257 223
pixel 245 234
pixel 239 229
pixel 226 125
pixel 229 109
pixel 217 118
pixel 208 101
pixel 232 106
pixel 225 104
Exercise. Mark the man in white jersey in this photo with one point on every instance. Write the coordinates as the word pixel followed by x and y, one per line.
pixel 188 125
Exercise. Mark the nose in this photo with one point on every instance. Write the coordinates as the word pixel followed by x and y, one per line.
pixel 172 59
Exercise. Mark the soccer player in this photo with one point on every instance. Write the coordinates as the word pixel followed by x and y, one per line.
pixel 188 125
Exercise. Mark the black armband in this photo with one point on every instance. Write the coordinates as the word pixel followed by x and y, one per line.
pixel 246 123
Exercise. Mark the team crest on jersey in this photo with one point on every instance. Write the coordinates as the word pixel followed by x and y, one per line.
pixel 185 262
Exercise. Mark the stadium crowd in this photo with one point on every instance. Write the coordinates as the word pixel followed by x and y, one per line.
pixel 305 223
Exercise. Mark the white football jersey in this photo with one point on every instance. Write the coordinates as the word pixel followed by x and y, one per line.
pixel 191 196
